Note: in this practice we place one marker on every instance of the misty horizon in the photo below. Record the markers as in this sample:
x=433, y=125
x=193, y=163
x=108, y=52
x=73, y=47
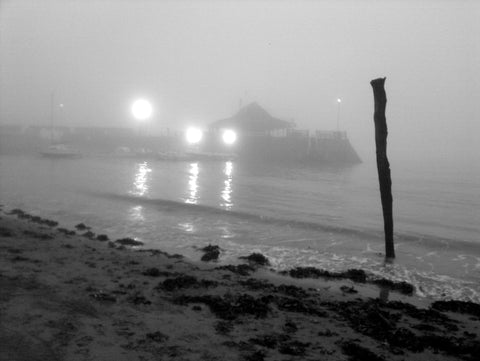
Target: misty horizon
x=197, y=61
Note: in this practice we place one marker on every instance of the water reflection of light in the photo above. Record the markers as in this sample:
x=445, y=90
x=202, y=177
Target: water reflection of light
x=227, y=188
x=140, y=184
x=193, y=184
x=137, y=213
x=187, y=227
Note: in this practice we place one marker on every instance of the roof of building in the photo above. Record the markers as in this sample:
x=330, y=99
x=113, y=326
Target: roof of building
x=252, y=118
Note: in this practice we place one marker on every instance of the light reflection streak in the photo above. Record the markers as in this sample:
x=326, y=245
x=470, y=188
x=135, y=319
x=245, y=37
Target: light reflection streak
x=187, y=227
x=227, y=189
x=140, y=188
x=137, y=213
x=140, y=184
x=193, y=184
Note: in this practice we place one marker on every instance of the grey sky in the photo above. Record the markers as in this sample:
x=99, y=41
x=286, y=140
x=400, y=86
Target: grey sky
x=195, y=59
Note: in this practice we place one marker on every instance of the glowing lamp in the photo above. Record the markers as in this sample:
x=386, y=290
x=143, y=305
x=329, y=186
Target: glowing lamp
x=229, y=137
x=193, y=135
x=142, y=109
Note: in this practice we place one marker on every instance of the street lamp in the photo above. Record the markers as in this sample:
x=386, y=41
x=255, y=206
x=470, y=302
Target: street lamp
x=142, y=109
x=229, y=137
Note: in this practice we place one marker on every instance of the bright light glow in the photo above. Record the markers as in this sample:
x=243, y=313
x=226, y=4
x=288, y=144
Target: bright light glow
x=229, y=137
x=142, y=109
x=194, y=135
x=339, y=100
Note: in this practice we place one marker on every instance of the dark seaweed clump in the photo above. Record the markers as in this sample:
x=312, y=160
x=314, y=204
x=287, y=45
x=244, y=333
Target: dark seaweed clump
x=359, y=353
x=403, y=287
x=458, y=306
x=35, y=219
x=211, y=253
x=128, y=242
x=380, y=321
x=185, y=281
x=241, y=269
x=356, y=275
x=82, y=227
x=231, y=307
x=102, y=237
x=257, y=259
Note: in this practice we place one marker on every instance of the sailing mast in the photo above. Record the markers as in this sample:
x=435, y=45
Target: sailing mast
x=52, y=115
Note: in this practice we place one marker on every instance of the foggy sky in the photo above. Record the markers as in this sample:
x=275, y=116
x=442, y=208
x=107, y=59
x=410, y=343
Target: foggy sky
x=196, y=59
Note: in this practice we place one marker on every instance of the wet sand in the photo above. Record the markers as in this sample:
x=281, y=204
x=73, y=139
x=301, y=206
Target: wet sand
x=76, y=295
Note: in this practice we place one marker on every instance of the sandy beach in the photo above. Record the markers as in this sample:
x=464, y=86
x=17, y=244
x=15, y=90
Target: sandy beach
x=78, y=295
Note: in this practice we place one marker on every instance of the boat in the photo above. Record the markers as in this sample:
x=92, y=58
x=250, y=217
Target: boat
x=60, y=151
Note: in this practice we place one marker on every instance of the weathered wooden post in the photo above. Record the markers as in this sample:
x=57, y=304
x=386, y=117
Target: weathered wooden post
x=383, y=166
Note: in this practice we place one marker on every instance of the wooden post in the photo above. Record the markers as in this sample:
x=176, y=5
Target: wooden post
x=383, y=166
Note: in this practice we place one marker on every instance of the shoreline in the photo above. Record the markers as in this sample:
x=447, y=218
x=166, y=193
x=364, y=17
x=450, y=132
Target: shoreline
x=66, y=296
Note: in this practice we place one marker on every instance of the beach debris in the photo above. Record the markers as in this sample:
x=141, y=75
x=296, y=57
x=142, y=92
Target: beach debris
x=88, y=234
x=327, y=333
x=211, y=253
x=290, y=304
x=258, y=355
x=359, y=353
x=290, y=326
x=102, y=296
x=38, y=235
x=401, y=286
x=230, y=307
x=293, y=291
x=185, y=281
x=128, y=242
x=6, y=232
x=348, y=289
x=21, y=214
x=356, y=275
x=20, y=259
x=155, y=272
x=256, y=259
x=293, y=347
x=255, y=284
x=241, y=269
x=224, y=327
x=152, y=272
x=270, y=341
x=102, y=238
x=157, y=336
x=82, y=227
x=67, y=232
x=457, y=306
x=156, y=252
x=139, y=299
x=16, y=211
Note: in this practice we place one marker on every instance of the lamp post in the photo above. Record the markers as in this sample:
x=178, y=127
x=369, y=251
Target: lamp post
x=339, y=101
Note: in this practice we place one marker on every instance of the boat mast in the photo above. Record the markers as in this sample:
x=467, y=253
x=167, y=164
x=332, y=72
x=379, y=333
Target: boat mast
x=52, y=115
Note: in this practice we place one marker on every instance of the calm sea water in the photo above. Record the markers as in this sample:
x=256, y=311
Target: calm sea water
x=329, y=218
